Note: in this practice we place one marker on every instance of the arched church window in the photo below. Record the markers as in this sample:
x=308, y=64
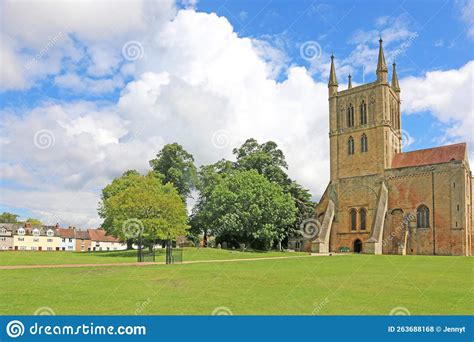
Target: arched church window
x=363, y=143
x=350, y=145
x=362, y=215
x=422, y=217
x=350, y=116
x=353, y=214
x=363, y=113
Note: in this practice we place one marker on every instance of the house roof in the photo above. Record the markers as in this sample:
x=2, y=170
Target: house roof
x=101, y=235
x=66, y=233
x=436, y=155
x=82, y=234
x=10, y=226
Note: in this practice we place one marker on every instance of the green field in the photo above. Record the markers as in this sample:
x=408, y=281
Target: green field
x=347, y=284
x=190, y=254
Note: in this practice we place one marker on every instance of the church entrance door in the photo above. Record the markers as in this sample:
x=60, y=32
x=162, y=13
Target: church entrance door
x=357, y=246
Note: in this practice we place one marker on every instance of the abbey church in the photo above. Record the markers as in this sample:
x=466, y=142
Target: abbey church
x=381, y=200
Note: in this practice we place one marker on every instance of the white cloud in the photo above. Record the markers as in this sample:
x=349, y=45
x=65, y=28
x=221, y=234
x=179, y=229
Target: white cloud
x=448, y=96
x=467, y=15
x=397, y=36
x=89, y=31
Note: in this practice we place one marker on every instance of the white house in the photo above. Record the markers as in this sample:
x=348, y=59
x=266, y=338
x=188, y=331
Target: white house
x=100, y=241
x=68, y=239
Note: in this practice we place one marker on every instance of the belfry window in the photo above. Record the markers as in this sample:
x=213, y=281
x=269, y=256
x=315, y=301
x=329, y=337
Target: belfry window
x=350, y=116
x=422, y=217
x=363, y=143
x=350, y=145
x=362, y=215
x=363, y=113
x=353, y=214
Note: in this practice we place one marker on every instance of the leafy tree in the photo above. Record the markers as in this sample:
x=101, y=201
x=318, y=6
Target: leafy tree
x=209, y=177
x=268, y=160
x=246, y=207
x=265, y=158
x=135, y=206
x=34, y=222
x=8, y=218
x=177, y=167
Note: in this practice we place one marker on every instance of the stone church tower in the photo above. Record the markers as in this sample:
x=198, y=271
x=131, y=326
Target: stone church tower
x=379, y=199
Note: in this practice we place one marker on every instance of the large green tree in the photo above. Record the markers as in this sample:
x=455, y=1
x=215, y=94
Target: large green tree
x=209, y=177
x=8, y=218
x=141, y=207
x=177, y=167
x=268, y=160
x=246, y=207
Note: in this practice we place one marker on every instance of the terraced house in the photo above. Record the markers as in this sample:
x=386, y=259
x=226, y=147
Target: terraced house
x=101, y=241
x=68, y=238
x=83, y=241
x=6, y=236
x=380, y=199
x=36, y=238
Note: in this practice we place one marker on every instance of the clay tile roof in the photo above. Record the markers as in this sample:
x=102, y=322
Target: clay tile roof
x=436, y=155
x=101, y=235
x=82, y=234
x=66, y=233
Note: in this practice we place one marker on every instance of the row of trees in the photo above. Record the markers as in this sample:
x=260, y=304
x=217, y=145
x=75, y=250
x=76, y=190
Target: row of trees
x=7, y=217
x=251, y=201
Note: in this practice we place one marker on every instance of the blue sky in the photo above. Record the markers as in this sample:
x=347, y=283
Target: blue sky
x=78, y=110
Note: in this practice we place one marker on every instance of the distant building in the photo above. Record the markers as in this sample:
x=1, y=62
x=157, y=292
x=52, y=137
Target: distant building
x=83, y=241
x=36, y=238
x=100, y=241
x=6, y=235
x=68, y=238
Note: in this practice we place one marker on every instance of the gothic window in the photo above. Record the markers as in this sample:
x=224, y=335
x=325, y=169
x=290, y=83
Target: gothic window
x=350, y=145
x=363, y=143
x=362, y=215
x=422, y=217
x=350, y=116
x=363, y=113
x=353, y=214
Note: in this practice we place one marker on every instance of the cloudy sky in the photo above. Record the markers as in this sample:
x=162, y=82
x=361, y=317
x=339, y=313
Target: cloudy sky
x=89, y=89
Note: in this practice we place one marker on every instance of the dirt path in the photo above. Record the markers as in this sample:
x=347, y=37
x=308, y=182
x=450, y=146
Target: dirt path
x=16, y=267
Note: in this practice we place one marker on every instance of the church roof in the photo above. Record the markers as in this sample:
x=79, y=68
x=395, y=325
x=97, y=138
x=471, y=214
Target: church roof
x=436, y=155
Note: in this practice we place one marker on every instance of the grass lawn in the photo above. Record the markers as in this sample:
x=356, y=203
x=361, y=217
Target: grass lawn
x=59, y=257
x=349, y=284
